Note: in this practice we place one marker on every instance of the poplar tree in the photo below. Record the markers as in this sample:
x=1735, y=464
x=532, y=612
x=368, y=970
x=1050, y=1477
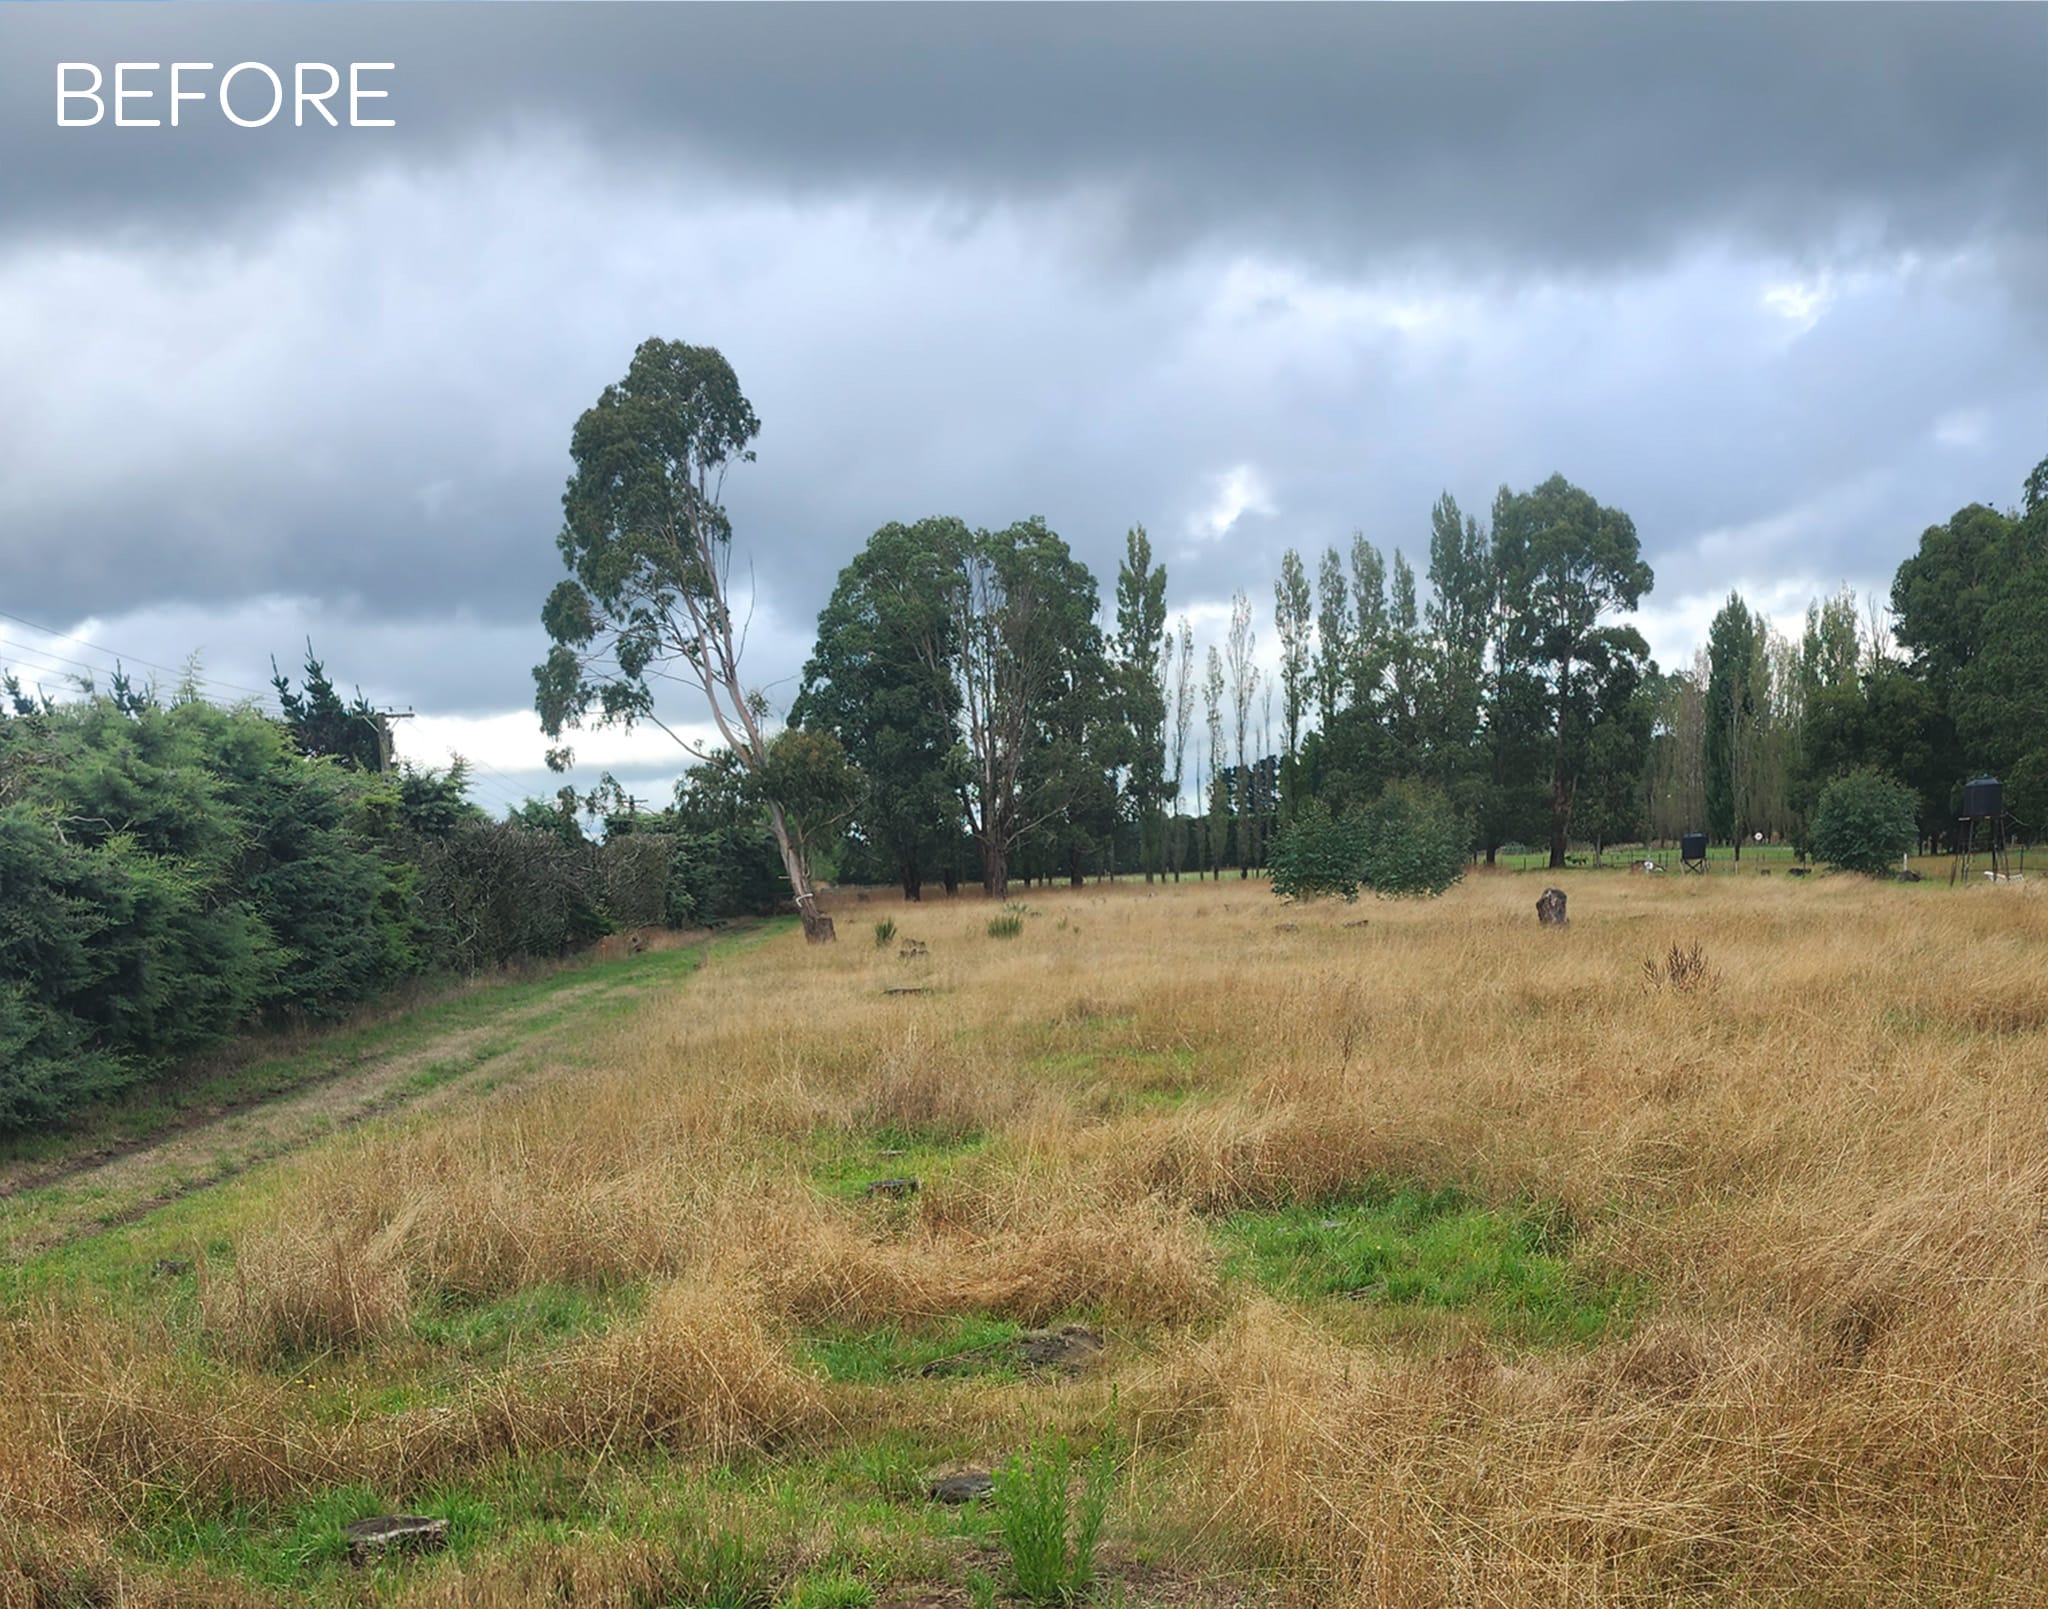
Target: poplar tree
x=1136, y=667
x=1333, y=637
x=1293, y=619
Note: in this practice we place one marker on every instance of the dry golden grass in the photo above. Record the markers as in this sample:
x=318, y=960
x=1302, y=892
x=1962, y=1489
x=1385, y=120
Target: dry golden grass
x=295, y=1290
x=1826, y=1164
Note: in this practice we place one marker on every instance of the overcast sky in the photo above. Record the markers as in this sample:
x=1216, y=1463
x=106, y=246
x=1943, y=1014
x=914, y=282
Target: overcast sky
x=1773, y=280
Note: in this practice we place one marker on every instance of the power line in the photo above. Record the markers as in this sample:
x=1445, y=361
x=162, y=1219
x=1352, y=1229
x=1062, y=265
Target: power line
x=224, y=693
x=510, y=783
x=54, y=664
x=101, y=648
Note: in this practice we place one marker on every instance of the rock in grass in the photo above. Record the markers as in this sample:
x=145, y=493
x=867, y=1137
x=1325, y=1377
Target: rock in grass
x=1069, y=1349
x=962, y=1487
x=387, y=1534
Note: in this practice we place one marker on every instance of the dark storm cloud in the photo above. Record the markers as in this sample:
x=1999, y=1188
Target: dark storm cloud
x=1770, y=278
x=1514, y=137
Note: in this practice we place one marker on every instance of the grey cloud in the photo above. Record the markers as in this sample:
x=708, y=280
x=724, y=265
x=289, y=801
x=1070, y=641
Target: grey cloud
x=1510, y=136
x=980, y=260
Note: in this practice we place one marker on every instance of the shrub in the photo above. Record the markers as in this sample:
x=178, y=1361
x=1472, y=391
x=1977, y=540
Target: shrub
x=1863, y=822
x=635, y=868
x=1317, y=853
x=1412, y=842
x=1034, y=1507
x=1408, y=841
x=499, y=891
x=885, y=930
x=1006, y=926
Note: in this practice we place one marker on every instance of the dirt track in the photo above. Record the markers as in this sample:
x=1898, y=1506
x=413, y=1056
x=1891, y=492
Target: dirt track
x=47, y=1204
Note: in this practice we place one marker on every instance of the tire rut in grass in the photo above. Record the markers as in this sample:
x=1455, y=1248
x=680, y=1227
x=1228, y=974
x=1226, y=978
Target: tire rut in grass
x=120, y=1185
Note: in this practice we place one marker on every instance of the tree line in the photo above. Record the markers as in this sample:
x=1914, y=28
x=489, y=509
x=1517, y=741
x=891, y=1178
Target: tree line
x=1943, y=680
x=971, y=710
x=172, y=871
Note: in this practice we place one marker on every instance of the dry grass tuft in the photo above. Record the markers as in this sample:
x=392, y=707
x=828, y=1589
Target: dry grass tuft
x=48, y=1547
x=588, y=1572
x=295, y=1291
x=703, y=1371
x=1136, y=1262
x=1687, y=1457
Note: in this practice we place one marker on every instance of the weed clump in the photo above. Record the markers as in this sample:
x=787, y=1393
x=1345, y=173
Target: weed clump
x=1048, y=1531
x=1683, y=970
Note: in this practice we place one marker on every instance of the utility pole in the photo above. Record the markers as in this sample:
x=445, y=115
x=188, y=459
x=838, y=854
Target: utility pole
x=382, y=725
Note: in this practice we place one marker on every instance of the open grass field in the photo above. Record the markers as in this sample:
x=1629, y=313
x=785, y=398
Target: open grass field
x=1694, y=1254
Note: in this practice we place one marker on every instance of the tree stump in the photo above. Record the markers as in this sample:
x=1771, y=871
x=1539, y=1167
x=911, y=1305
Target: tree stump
x=1550, y=908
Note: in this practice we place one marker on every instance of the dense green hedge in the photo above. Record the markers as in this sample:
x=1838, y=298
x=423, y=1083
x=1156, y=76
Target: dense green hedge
x=171, y=874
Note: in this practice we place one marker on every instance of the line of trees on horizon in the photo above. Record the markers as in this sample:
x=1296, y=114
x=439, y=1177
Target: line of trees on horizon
x=971, y=709
x=970, y=712
x=1003, y=729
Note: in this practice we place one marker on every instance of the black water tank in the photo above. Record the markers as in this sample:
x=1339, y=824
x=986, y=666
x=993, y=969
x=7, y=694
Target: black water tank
x=1983, y=799
x=1692, y=846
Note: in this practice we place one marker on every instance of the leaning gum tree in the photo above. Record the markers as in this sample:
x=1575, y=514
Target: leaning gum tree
x=648, y=547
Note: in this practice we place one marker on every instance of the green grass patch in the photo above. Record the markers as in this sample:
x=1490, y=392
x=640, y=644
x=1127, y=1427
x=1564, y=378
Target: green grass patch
x=540, y=1315
x=844, y=1165
x=299, y=1550
x=1417, y=1247
x=828, y=1589
x=283, y=1546
x=874, y=1357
